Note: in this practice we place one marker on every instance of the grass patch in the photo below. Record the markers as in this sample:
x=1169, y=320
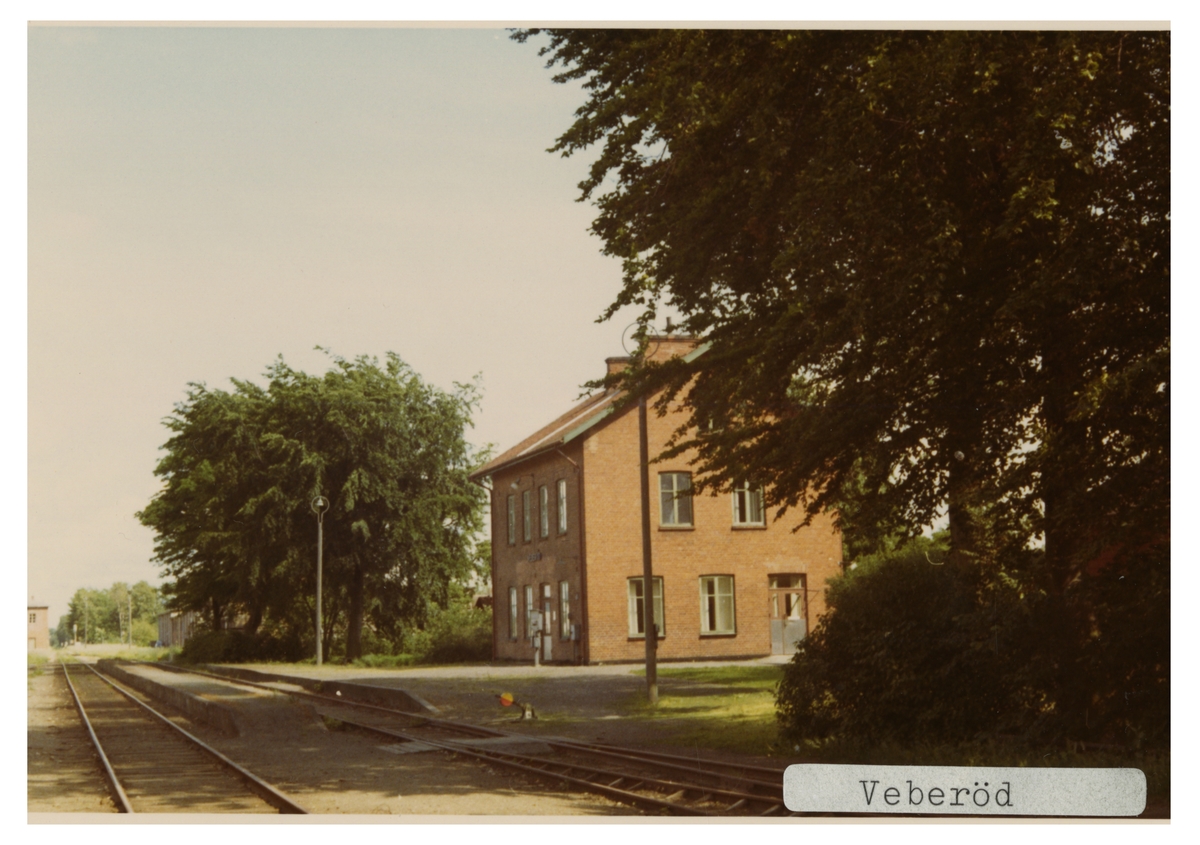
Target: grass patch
x=730, y=708
x=385, y=661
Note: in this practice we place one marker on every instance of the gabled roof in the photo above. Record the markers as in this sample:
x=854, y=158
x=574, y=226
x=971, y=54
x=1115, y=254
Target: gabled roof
x=571, y=425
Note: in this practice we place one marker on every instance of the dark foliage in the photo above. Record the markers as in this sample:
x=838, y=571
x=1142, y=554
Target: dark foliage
x=238, y=647
x=932, y=273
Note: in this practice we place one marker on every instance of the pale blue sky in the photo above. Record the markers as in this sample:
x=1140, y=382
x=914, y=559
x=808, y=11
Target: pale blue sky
x=203, y=199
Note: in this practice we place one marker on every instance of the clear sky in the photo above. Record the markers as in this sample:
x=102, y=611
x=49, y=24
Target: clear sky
x=203, y=199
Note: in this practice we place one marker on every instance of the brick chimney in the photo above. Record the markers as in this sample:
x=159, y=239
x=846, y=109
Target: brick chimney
x=617, y=365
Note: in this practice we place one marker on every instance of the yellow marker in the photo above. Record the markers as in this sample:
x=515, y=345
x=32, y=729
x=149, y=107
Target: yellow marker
x=507, y=699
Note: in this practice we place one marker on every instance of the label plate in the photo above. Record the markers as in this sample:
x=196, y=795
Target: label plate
x=964, y=790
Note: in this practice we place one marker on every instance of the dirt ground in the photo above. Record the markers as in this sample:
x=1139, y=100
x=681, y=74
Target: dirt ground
x=290, y=747
x=589, y=703
x=64, y=774
x=347, y=772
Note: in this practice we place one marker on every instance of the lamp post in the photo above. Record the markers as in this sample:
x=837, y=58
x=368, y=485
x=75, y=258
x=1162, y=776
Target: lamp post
x=319, y=505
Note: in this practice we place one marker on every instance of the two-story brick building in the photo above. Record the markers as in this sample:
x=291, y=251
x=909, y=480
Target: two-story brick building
x=567, y=544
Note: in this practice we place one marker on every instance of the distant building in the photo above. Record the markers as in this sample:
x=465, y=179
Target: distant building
x=39, y=626
x=729, y=581
x=174, y=628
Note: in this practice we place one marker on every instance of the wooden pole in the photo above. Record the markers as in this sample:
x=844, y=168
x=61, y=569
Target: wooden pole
x=647, y=568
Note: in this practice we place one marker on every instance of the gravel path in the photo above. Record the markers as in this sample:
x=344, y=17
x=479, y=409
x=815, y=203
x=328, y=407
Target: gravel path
x=64, y=773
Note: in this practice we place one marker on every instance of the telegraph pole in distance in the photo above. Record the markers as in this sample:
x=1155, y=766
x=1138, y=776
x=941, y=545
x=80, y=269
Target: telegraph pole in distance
x=647, y=568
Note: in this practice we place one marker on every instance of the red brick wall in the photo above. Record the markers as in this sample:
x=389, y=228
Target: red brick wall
x=560, y=554
x=680, y=557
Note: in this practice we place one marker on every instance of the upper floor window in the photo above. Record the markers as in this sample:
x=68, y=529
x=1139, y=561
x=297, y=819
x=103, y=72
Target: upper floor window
x=33, y=617
x=637, y=607
x=716, y=605
x=675, y=498
x=544, y=510
x=748, y=505
x=527, y=515
x=562, y=506
x=512, y=520
x=514, y=614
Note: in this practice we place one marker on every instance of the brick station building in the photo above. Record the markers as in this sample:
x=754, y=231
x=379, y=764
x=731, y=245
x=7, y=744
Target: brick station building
x=730, y=582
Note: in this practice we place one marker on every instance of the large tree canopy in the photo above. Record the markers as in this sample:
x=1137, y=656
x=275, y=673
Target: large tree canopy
x=236, y=533
x=933, y=270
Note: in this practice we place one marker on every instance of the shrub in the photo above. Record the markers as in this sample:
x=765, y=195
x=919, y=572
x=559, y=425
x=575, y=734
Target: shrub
x=909, y=651
x=236, y=647
x=460, y=633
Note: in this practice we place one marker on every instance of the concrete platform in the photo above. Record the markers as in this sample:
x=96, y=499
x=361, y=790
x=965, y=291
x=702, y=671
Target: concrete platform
x=384, y=696
x=234, y=710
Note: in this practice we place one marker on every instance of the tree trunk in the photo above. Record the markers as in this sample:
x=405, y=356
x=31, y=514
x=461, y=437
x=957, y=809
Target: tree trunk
x=255, y=619
x=963, y=490
x=1058, y=530
x=354, y=623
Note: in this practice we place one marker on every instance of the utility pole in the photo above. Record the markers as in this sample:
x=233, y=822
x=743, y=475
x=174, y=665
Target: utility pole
x=87, y=617
x=131, y=618
x=647, y=568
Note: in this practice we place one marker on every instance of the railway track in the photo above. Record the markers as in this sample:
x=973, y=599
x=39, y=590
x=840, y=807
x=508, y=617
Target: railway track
x=653, y=781
x=154, y=766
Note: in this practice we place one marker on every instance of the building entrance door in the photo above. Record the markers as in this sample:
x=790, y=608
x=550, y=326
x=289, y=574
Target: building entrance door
x=789, y=614
x=547, y=622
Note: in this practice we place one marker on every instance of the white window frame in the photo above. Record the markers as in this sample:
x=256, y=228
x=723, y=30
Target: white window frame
x=633, y=591
x=514, y=614
x=544, y=511
x=717, y=601
x=527, y=513
x=744, y=496
x=671, y=487
x=528, y=611
x=562, y=506
x=564, y=610
x=512, y=520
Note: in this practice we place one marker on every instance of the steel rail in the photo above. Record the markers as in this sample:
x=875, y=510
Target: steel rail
x=617, y=752
x=123, y=803
x=512, y=760
x=541, y=767
x=260, y=787
x=743, y=797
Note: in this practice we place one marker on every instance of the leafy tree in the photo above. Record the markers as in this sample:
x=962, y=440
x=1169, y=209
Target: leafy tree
x=933, y=272
x=236, y=534
x=102, y=616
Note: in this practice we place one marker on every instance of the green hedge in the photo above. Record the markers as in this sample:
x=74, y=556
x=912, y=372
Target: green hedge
x=237, y=647
x=908, y=652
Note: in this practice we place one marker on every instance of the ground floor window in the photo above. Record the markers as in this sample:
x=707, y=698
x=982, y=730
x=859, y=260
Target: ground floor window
x=564, y=610
x=637, y=608
x=716, y=605
x=514, y=615
x=529, y=612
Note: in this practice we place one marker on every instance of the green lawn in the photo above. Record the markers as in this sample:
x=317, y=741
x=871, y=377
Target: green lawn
x=730, y=708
